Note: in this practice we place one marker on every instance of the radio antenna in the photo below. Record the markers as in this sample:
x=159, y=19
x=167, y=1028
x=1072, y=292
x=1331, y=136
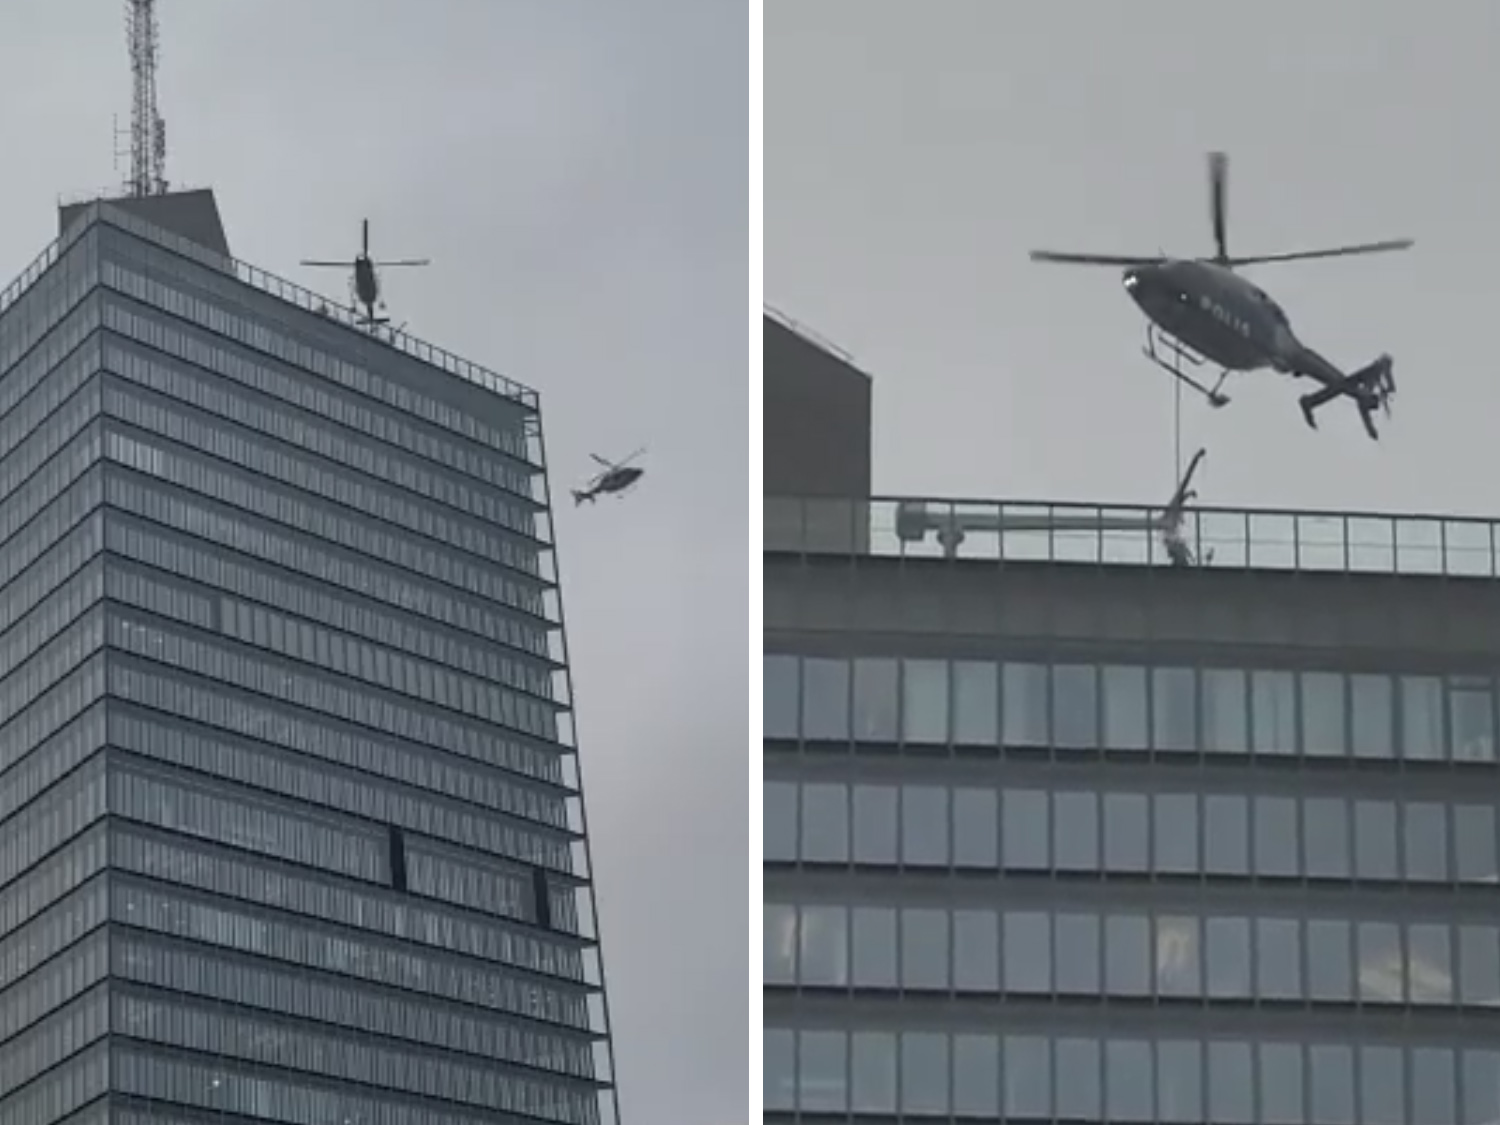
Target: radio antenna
x=148, y=132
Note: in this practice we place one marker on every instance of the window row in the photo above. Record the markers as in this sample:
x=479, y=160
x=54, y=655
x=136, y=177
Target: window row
x=254, y=823
x=377, y=459
x=47, y=762
x=314, y=394
x=205, y=477
x=32, y=475
x=63, y=811
x=66, y=504
x=306, y=944
x=1133, y=953
x=51, y=616
x=64, y=402
x=48, y=320
x=60, y=562
x=217, y=316
x=363, y=907
x=292, y=991
x=340, y=566
x=1130, y=707
x=56, y=1094
x=50, y=664
x=68, y=697
x=54, y=984
x=293, y=775
x=273, y=461
x=53, y=1039
x=1081, y=830
x=63, y=922
x=349, y=612
x=434, y=771
x=240, y=1034
x=1226, y=1080
x=313, y=690
x=76, y=862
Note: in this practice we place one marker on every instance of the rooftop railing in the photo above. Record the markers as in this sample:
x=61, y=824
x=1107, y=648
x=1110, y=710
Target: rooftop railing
x=1212, y=538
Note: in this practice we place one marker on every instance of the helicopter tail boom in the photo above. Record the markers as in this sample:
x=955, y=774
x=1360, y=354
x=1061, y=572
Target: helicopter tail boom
x=1371, y=387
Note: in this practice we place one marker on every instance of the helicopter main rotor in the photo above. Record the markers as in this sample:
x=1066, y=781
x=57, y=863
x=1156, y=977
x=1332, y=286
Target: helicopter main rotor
x=1218, y=175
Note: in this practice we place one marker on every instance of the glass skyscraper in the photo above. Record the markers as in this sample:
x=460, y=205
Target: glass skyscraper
x=291, y=825
x=1056, y=831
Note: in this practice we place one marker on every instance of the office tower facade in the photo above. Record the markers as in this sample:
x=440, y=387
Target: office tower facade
x=290, y=819
x=1055, y=830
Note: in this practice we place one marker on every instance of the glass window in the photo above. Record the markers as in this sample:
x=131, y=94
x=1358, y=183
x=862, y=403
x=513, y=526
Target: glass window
x=1127, y=832
x=779, y=962
x=1375, y=840
x=1028, y=1076
x=1380, y=963
x=1225, y=711
x=1025, y=705
x=976, y=951
x=1278, y=959
x=875, y=820
x=825, y=699
x=1434, y=1085
x=1273, y=704
x=1076, y=965
x=1079, y=1067
x=1125, y=708
x=1331, y=1070
x=924, y=1072
x=924, y=949
x=1323, y=728
x=822, y=1067
x=1382, y=1086
x=1372, y=710
x=1075, y=707
x=1231, y=1082
x=874, y=947
x=1128, y=1081
x=825, y=824
x=1281, y=1082
x=976, y=703
x=1028, y=952
x=924, y=826
x=1474, y=843
x=1426, y=841
x=1179, y=956
x=1481, y=1086
x=1325, y=838
x=779, y=696
x=1127, y=955
x=1175, y=826
x=1429, y=965
x=872, y=1066
x=824, y=947
x=1226, y=828
x=1471, y=718
x=779, y=842
x=779, y=1069
x=1422, y=717
x=1174, y=710
x=1179, y=1081
x=876, y=700
x=1479, y=966
x=1075, y=831
x=976, y=828
x=1023, y=828
x=1328, y=960
x=976, y=1076
x=1276, y=836
x=925, y=701
x=1228, y=941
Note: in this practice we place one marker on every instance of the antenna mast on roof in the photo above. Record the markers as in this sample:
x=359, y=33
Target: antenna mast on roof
x=148, y=132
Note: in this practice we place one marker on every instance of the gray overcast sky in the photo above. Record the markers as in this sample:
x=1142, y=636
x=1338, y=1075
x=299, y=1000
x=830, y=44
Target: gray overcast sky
x=577, y=173
x=914, y=154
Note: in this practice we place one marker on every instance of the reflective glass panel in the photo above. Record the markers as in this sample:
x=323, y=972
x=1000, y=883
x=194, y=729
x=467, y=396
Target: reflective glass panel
x=1422, y=717
x=1125, y=707
x=779, y=696
x=1225, y=711
x=976, y=703
x=925, y=701
x=876, y=700
x=875, y=823
x=1174, y=710
x=872, y=1067
x=1372, y=710
x=1024, y=707
x=825, y=699
x=1274, y=712
x=1075, y=706
x=1323, y=727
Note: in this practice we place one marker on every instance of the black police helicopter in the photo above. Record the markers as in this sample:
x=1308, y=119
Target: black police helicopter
x=1200, y=310
x=366, y=281
x=617, y=477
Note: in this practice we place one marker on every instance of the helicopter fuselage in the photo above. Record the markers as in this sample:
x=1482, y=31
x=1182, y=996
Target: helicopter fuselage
x=366, y=286
x=1215, y=312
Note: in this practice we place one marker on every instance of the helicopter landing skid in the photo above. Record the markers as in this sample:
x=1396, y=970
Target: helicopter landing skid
x=1179, y=353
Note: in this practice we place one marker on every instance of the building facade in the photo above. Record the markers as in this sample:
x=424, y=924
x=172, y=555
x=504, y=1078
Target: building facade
x=291, y=825
x=1055, y=831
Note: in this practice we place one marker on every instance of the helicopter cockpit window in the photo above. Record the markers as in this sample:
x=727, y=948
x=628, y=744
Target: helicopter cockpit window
x=1275, y=309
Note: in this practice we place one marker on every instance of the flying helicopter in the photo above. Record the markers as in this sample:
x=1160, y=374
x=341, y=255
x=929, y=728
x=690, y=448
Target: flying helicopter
x=366, y=281
x=1199, y=310
x=617, y=477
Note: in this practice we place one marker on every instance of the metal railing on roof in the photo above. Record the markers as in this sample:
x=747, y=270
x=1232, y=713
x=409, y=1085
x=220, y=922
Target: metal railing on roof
x=1215, y=538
